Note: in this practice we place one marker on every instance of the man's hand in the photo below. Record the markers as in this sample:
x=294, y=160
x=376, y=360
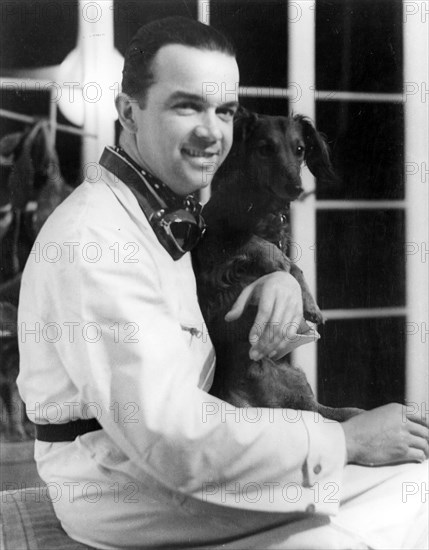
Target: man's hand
x=279, y=300
x=386, y=435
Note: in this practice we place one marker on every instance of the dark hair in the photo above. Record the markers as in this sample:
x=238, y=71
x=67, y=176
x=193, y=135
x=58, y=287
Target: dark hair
x=137, y=75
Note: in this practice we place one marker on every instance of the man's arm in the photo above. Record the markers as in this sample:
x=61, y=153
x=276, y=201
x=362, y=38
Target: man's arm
x=386, y=435
x=146, y=391
x=279, y=300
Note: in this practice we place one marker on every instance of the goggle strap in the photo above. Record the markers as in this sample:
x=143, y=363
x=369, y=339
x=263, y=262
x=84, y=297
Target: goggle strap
x=114, y=162
x=127, y=173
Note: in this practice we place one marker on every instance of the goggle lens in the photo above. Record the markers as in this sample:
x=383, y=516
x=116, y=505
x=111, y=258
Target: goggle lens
x=183, y=229
x=186, y=234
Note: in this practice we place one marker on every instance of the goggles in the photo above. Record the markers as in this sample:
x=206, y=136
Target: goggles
x=177, y=229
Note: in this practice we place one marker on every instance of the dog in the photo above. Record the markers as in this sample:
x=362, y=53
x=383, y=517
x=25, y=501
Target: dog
x=247, y=236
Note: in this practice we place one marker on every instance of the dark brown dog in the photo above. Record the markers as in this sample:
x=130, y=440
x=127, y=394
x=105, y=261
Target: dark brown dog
x=247, y=236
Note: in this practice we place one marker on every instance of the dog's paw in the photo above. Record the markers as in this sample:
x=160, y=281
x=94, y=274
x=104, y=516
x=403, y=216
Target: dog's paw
x=314, y=315
x=311, y=309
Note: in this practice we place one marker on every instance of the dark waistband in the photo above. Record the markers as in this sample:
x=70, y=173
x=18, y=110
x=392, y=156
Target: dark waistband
x=54, y=433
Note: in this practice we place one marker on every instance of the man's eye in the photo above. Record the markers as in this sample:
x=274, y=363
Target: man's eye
x=187, y=107
x=226, y=113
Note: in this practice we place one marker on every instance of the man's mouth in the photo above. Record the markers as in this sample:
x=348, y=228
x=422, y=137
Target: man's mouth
x=198, y=153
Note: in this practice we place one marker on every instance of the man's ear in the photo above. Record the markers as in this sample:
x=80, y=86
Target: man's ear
x=124, y=105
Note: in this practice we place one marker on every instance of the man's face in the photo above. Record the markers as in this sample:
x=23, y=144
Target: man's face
x=184, y=131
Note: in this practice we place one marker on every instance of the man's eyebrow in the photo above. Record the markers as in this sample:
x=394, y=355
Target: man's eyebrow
x=230, y=104
x=185, y=95
x=198, y=98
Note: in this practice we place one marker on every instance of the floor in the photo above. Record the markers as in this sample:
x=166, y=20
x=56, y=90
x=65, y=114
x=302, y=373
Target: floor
x=17, y=466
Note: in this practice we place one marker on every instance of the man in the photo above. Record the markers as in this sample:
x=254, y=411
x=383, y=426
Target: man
x=117, y=335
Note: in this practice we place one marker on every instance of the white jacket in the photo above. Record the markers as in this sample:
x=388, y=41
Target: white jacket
x=109, y=326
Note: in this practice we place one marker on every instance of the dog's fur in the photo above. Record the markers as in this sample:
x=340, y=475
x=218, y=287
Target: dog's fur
x=247, y=236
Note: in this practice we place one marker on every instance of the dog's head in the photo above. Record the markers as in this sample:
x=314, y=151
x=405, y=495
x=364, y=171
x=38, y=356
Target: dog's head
x=269, y=151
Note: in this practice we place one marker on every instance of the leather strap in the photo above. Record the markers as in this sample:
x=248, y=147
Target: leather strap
x=154, y=206
x=54, y=433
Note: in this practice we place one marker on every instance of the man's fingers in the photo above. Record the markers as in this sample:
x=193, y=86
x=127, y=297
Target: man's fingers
x=279, y=311
x=240, y=304
x=264, y=315
x=290, y=329
x=271, y=327
x=418, y=429
x=416, y=455
x=419, y=443
x=416, y=417
x=275, y=339
x=264, y=333
x=287, y=335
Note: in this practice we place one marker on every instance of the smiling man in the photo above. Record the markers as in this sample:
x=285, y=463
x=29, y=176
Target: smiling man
x=182, y=134
x=116, y=362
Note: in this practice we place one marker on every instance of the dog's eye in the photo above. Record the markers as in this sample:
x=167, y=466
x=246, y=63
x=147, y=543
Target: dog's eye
x=266, y=148
x=300, y=150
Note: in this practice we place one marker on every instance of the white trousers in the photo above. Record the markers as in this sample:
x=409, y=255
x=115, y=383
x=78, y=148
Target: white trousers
x=115, y=506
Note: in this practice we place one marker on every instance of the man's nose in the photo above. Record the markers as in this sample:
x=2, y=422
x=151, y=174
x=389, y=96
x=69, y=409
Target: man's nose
x=208, y=128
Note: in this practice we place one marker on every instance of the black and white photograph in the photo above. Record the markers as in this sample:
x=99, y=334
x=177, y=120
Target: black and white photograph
x=214, y=309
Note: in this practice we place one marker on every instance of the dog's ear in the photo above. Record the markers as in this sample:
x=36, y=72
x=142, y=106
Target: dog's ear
x=317, y=155
x=244, y=124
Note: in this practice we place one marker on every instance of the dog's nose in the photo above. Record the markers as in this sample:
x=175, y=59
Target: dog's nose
x=293, y=190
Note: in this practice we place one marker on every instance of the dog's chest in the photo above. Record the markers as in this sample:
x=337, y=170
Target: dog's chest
x=274, y=228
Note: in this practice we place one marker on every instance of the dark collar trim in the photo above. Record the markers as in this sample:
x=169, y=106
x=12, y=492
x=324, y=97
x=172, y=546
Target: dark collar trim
x=159, y=188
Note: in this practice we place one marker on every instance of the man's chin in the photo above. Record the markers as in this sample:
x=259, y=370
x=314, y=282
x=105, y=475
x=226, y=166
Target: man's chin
x=190, y=181
x=197, y=186
x=188, y=186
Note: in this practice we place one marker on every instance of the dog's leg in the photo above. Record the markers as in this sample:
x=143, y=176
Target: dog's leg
x=265, y=256
x=311, y=309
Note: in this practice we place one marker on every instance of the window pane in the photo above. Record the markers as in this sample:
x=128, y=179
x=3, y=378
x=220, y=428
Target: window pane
x=367, y=146
x=24, y=101
x=130, y=16
x=37, y=104
x=360, y=258
x=359, y=45
x=37, y=34
x=259, y=32
x=266, y=106
x=361, y=362
x=69, y=148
